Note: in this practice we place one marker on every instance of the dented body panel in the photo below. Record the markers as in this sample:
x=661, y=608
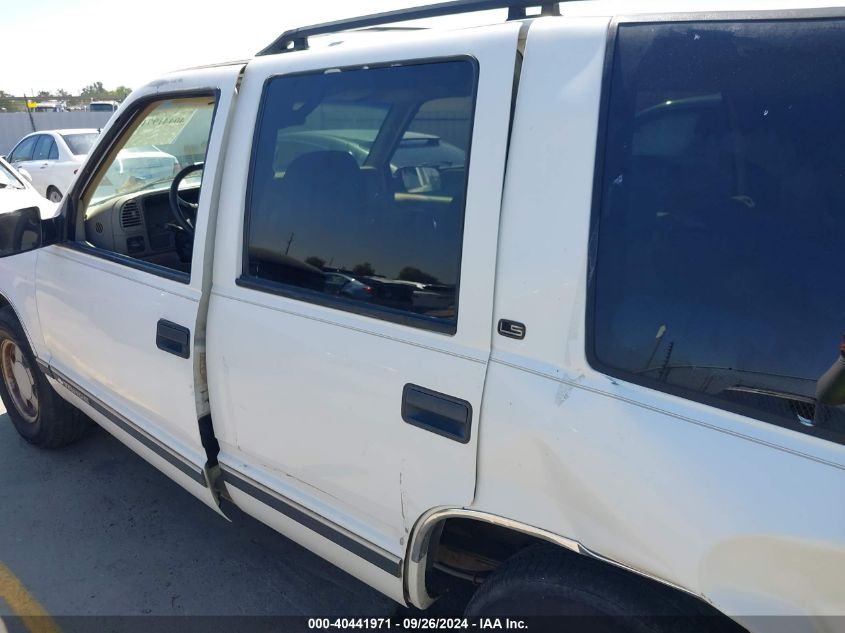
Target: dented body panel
x=731, y=509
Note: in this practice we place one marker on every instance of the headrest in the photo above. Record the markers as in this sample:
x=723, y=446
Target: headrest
x=325, y=168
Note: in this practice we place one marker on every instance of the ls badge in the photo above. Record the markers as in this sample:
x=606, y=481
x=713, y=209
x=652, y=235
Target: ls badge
x=512, y=329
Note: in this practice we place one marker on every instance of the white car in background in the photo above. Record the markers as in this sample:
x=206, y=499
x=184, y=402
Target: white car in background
x=52, y=158
x=17, y=193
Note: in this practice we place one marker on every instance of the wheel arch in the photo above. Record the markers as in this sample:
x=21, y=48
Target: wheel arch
x=425, y=541
x=5, y=302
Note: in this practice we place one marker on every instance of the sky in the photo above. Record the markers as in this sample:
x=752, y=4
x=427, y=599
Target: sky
x=69, y=44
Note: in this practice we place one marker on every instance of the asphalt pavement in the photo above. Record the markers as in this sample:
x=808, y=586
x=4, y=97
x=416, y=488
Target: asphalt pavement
x=93, y=530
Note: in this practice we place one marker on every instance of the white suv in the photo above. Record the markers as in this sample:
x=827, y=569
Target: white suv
x=567, y=353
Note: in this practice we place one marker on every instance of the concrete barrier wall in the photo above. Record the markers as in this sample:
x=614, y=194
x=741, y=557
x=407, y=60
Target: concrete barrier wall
x=15, y=125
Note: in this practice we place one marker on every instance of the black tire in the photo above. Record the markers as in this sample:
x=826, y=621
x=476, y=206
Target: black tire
x=595, y=597
x=53, y=192
x=53, y=422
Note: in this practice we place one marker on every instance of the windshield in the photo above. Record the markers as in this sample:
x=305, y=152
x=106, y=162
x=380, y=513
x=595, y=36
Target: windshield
x=80, y=144
x=8, y=179
x=101, y=107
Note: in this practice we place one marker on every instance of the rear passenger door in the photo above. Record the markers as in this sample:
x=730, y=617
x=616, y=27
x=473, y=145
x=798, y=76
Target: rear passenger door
x=44, y=157
x=350, y=318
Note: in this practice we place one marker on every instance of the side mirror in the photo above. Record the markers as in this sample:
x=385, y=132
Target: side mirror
x=422, y=179
x=20, y=231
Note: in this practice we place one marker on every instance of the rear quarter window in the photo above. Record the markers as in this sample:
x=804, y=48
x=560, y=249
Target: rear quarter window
x=721, y=216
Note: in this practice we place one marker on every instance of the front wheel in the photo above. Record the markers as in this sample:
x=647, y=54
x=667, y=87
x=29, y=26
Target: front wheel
x=39, y=414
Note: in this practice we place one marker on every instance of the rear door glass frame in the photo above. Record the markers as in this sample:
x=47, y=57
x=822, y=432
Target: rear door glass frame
x=383, y=313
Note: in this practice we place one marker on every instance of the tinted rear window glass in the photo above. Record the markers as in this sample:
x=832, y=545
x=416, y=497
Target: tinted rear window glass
x=719, y=250
x=358, y=186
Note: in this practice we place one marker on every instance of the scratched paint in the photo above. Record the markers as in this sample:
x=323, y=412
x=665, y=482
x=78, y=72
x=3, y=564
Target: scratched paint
x=565, y=389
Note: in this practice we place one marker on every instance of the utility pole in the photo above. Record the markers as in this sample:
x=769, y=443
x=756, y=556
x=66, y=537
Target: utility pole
x=29, y=112
x=289, y=241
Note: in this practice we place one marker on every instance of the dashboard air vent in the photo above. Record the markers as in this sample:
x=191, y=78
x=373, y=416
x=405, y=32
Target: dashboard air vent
x=130, y=215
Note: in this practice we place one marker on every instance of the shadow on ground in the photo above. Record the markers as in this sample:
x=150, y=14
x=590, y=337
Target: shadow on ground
x=92, y=529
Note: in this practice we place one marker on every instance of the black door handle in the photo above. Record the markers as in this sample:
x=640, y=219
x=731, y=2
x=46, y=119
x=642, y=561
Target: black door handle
x=173, y=338
x=436, y=412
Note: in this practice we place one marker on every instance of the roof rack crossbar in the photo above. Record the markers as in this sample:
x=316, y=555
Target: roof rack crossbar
x=297, y=39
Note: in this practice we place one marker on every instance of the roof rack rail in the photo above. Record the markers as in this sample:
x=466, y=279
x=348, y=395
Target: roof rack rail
x=297, y=39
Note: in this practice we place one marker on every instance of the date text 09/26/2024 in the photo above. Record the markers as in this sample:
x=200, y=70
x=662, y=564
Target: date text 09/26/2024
x=408, y=624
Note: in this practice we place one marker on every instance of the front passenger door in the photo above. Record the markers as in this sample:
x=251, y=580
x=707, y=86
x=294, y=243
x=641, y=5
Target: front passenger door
x=119, y=301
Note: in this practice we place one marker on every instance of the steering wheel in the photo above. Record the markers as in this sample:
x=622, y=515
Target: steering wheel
x=178, y=206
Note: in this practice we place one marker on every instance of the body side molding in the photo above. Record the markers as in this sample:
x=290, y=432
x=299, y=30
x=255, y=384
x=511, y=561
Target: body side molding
x=312, y=521
x=159, y=448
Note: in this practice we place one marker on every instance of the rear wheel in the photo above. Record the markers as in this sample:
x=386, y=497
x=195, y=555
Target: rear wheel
x=595, y=597
x=53, y=194
x=39, y=414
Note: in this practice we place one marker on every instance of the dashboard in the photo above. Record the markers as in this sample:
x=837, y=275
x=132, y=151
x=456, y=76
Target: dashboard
x=136, y=225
